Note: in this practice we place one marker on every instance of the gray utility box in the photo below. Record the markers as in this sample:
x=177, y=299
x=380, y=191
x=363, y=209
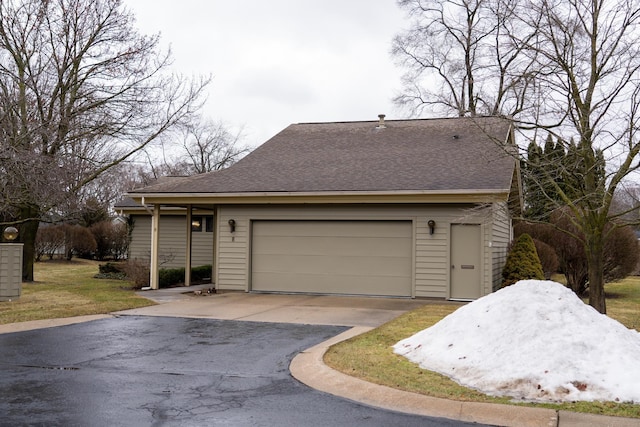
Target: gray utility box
x=10, y=271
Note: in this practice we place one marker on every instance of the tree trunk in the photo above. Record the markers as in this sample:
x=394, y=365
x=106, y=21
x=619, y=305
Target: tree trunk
x=595, y=257
x=28, y=231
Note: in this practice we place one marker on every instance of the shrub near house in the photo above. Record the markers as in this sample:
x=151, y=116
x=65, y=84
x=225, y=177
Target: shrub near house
x=138, y=272
x=103, y=240
x=621, y=249
x=522, y=262
x=175, y=276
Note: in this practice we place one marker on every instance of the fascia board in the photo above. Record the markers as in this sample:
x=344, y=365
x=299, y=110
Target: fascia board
x=443, y=196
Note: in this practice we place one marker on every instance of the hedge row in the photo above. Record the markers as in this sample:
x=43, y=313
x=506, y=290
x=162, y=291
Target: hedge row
x=172, y=276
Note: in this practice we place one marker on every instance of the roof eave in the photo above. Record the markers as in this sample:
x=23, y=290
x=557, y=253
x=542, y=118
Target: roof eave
x=325, y=197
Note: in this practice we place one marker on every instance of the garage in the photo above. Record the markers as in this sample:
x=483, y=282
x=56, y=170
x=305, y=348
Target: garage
x=332, y=257
x=354, y=208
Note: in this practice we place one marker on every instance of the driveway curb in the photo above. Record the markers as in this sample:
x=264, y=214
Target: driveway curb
x=50, y=323
x=308, y=367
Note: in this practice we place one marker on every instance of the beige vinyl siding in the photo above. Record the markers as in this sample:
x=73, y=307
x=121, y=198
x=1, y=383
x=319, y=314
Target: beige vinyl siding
x=232, y=262
x=487, y=255
x=431, y=267
x=173, y=238
x=432, y=253
x=500, y=239
x=140, y=243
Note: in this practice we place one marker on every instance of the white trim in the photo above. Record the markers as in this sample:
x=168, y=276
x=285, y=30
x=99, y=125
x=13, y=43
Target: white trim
x=154, y=275
x=259, y=194
x=406, y=197
x=187, y=255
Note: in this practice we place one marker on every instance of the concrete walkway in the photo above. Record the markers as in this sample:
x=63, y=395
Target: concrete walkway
x=363, y=314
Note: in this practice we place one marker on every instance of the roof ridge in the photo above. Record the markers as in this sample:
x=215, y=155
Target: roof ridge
x=402, y=120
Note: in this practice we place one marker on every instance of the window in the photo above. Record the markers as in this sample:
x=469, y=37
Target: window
x=202, y=223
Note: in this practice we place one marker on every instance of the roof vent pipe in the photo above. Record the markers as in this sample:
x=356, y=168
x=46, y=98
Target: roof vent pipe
x=381, y=124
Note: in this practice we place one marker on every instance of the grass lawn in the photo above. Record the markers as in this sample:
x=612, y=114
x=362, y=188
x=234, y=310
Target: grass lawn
x=67, y=289
x=370, y=356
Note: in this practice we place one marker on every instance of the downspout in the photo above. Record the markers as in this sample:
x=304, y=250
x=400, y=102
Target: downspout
x=149, y=211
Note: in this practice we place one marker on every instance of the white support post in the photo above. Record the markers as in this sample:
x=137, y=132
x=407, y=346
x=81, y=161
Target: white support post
x=187, y=258
x=214, y=264
x=154, y=279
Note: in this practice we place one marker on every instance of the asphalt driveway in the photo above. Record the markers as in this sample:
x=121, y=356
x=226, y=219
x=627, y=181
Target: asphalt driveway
x=138, y=370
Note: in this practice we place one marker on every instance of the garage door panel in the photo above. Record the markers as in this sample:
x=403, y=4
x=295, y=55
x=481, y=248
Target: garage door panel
x=347, y=246
x=348, y=257
x=366, y=266
x=334, y=284
x=331, y=228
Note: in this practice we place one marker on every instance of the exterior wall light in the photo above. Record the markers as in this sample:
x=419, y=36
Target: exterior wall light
x=10, y=234
x=232, y=225
x=432, y=226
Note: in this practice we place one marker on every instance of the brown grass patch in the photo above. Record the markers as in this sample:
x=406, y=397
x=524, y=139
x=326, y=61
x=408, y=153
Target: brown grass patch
x=68, y=289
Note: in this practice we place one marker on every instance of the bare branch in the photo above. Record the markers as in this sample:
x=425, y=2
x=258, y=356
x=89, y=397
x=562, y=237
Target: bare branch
x=81, y=91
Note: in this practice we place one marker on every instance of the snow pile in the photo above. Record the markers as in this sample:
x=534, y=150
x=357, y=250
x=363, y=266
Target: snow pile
x=534, y=340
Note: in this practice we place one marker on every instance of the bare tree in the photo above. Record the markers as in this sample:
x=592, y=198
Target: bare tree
x=579, y=61
x=589, y=63
x=136, y=174
x=566, y=242
x=80, y=92
x=460, y=57
x=626, y=203
x=211, y=146
x=50, y=241
x=206, y=146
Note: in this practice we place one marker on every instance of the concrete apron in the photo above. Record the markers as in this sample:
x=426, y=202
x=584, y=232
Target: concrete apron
x=305, y=309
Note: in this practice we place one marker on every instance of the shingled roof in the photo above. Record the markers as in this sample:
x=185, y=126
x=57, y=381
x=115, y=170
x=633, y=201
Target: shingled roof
x=402, y=155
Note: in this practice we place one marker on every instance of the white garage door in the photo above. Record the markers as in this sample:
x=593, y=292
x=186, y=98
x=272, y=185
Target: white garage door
x=332, y=257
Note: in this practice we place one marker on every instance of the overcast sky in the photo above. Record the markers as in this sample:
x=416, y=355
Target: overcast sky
x=277, y=62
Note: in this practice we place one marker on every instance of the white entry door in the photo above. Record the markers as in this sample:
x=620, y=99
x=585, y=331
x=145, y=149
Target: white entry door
x=466, y=283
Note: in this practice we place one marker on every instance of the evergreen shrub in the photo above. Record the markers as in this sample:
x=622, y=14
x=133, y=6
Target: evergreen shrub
x=522, y=262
